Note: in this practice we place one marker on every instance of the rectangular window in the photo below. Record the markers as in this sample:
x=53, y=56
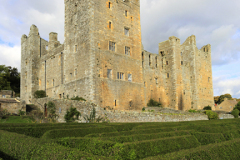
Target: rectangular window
x=60, y=96
x=75, y=72
x=71, y=75
x=112, y=46
x=109, y=5
x=4, y=96
x=53, y=82
x=120, y=75
x=208, y=79
x=115, y=102
x=181, y=62
x=127, y=50
x=109, y=73
x=126, y=13
x=167, y=75
x=130, y=77
x=166, y=62
x=46, y=47
x=110, y=25
x=126, y=31
x=156, y=80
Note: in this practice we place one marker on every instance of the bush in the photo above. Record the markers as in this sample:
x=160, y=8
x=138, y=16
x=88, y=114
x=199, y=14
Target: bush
x=154, y=103
x=40, y=94
x=143, y=109
x=52, y=110
x=237, y=106
x=207, y=108
x=3, y=114
x=193, y=111
x=72, y=115
x=78, y=98
x=235, y=113
x=21, y=113
x=211, y=115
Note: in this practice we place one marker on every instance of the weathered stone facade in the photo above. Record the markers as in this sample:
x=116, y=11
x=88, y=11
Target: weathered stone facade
x=7, y=94
x=12, y=105
x=103, y=61
x=227, y=105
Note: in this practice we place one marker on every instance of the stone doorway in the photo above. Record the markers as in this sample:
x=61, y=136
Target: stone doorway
x=45, y=110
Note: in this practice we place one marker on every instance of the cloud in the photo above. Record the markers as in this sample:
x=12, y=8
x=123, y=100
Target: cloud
x=10, y=56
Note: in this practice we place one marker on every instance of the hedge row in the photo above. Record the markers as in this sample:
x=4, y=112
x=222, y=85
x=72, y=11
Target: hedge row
x=142, y=137
x=38, y=132
x=208, y=138
x=220, y=151
x=17, y=146
x=134, y=150
x=60, y=133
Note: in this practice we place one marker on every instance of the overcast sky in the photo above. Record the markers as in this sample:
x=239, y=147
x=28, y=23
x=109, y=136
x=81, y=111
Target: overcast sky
x=215, y=22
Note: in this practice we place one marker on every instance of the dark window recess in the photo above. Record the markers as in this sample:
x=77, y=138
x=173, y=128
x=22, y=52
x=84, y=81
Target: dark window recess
x=110, y=25
x=112, y=46
x=181, y=62
x=115, y=102
x=167, y=75
x=166, y=62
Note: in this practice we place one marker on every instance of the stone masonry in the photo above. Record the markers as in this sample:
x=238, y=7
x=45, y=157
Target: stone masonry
x=103, y=61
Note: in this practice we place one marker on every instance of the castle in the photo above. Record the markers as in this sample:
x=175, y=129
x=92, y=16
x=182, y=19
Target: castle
x=103, y=60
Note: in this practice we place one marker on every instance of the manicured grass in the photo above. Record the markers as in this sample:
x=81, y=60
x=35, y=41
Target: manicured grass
x=16, y=119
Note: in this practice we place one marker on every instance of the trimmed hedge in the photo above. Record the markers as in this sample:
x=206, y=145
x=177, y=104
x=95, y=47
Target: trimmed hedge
x=14, y=145
x=208, y=138
x=220, y=151
x=142, y=137
x=76, y=132
x=134, y=150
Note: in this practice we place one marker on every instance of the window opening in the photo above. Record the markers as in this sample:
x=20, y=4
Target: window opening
x=166, y=62
x=115, y=102
x=75, y=72
x=150, y=62
x=144, y=84
x=156, y=62
x=181, y=53
x=4, y=96
x=127, y=50
x=109, y=5
x=162, y=53
x=60, y=96
x=46, y=47
x=60, y=110
x=156, y=80
x=126, y=13
x=181, y=62
x=112, y=46
x=126, y=31
x=110, y=25
x=159, y=100
x=120, y=75
x=167, y=75
x=53, y=82
x=208, y=79
x=76, y=48
x=109, y=73
x=130, y=77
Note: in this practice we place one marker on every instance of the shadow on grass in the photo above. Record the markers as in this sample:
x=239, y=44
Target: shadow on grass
x=5, y=156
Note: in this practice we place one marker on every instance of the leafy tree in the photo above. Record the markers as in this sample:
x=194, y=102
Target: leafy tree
x=222, y=97
x=207, y=108
x=9, y=79
x=216, y=98
x=72, y=115
x=237, y=106
x=235, y=113
x=52, y=110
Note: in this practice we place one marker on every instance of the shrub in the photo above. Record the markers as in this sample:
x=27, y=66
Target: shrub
x=237, y=106
x=143, y=109
x=40, y=94
x=193, y=111
x=52, y=110
x=78, y=98
x=207, y=108
x=235, y=113
x=154, y=103
x=3, y=114
x=72, y=115
x=211, y=115
x=21, y=113
x=92, y=117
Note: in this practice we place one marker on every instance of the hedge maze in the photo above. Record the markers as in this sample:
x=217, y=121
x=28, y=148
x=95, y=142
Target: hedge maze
x=214, y=139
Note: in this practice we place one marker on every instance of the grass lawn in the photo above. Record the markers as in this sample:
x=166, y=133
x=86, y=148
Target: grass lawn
x=16, y=119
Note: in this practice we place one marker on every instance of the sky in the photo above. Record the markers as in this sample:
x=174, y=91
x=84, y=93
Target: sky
x=215, y=22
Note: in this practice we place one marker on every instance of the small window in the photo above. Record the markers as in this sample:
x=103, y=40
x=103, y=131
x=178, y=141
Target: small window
x=60, y=110
x=166, y=62
x=208, y=79
x=162, y=53
x=220, y=107
x=126, y=31
x=4, y=96
x=144, y=84
x=120, y=75
x=26, y=62
x=53, y=82
x=110, y=25
x=71, y=75
x=46, y=47
x=127, y=50
x=156, y=62
x=181, y=53
x=75, y=72
x=159, y=100
x=60, y=96
x=167, y=75
x=115, y=102
x=181, y=62
x=130, y=77
x=150, y=62
x=112, y=46
x=109, y=73
x=156, y=80
x=126, y=13
x=76, y=48
x=230, y=106
x=109, y=5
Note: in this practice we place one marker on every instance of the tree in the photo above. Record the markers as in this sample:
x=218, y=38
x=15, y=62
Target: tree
x=222, y=97
x=216, y=98
x=72, y=115
x=237, y=106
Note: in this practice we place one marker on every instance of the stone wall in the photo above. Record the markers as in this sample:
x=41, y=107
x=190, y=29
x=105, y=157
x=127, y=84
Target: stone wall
x=12, y=105
x=85, y=108
x=226, y=105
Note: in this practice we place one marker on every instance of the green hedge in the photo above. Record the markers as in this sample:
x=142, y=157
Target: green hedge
x=142, y=137
x=60, y=133
x=38, y=132
x=134, y=150
x=19, y=146
x=220, y=151
x=208, y=138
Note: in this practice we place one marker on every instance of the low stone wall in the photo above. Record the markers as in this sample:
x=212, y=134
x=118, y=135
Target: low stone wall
x=85, y=108
x=225, y=116
x=12, y=105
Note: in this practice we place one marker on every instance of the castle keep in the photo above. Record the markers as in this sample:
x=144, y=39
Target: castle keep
x=103, y=60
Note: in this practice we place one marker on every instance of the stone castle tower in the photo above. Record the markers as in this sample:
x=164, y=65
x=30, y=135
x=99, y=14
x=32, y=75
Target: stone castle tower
x=102, y=60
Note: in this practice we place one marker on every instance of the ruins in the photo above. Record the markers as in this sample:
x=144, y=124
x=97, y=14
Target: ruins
x=103, y=60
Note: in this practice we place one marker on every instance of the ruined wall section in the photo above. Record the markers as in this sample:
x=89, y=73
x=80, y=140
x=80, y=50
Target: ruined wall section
x=30, y=53
x=110, y=20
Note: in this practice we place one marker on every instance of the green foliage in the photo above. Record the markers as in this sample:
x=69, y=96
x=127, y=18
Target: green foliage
x=154, y=103
x=143, y=109
x=237, y=106
x=194, y=111
x=21, y=113
x=207, y=108
x=9, y=79
x=92, y=117
x=222, y=97
x=40, y=94
x=78, y=98
x=235, y=113
x=211, y=115
x=72, y=115
x=52, y=110
x=3, y=114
